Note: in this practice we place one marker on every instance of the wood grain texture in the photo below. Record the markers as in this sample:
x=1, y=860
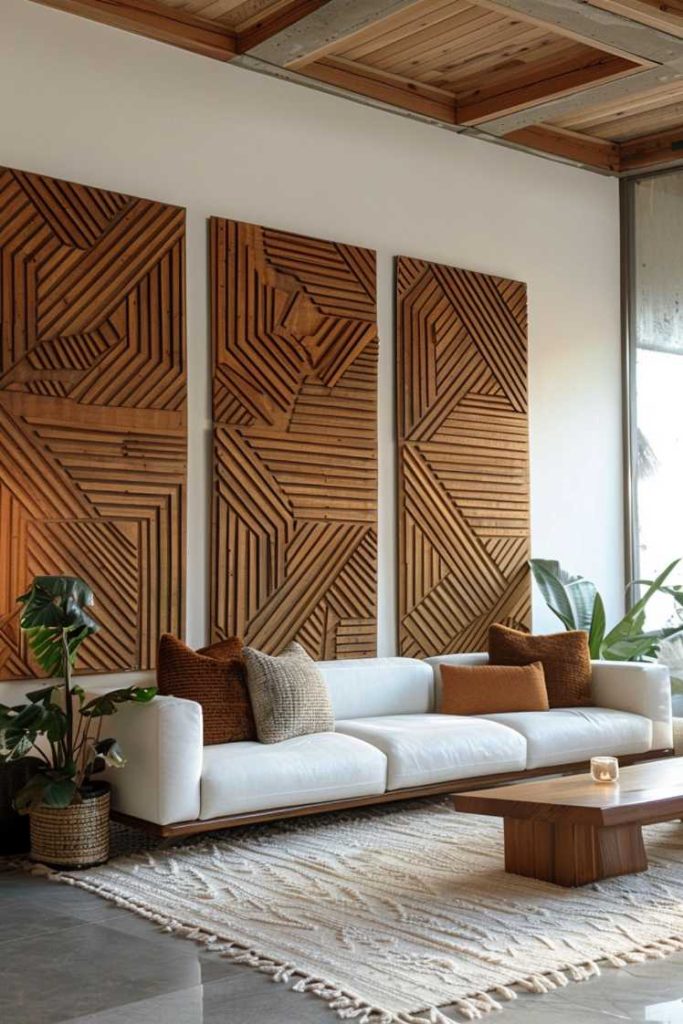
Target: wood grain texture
x=646, y=793
x=92, y=411
x=155, y=20
x=574, y=831
x=571, y=854
x=463, y=456
x=295, y=447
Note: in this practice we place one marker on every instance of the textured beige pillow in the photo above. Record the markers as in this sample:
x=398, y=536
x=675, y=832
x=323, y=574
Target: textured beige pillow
x=289, y=696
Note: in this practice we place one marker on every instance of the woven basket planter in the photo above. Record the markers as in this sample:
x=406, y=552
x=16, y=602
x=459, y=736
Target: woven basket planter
x=75, y=836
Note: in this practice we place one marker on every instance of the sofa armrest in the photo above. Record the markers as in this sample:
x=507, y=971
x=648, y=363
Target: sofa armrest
x=164, y=747
x=642, y=688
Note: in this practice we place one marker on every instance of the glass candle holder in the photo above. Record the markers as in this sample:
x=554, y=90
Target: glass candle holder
x=605, y=769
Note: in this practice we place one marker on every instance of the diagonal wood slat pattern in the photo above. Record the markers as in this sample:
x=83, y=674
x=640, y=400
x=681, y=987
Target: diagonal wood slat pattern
x=463, y=456
x=92, y=411
x=295, y=446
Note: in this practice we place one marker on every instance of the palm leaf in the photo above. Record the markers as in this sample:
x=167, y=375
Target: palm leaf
x=571, y=598
x=598, y=627
x=629, y=635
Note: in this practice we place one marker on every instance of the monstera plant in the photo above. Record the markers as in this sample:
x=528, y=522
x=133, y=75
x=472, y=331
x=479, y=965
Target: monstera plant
x=578, y=605
x=58, y=731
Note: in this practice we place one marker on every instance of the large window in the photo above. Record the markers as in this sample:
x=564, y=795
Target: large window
x=655, y=229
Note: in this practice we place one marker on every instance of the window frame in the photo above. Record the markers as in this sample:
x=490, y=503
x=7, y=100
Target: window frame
x=628, y=248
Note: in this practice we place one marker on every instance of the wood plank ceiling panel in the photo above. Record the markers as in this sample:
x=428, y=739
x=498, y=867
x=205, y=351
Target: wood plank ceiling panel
x=573, y=79
x=295, y=448
x=470, y=52
x=463, y=456
x=92, y=411
x=658, y=109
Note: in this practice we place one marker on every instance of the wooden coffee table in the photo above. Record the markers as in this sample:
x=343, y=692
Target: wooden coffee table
x=572, y=831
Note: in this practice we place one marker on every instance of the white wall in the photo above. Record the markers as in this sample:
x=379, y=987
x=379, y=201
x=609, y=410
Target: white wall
x=99, y=106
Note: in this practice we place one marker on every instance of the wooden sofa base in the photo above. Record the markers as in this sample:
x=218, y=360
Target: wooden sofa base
x=188, y=828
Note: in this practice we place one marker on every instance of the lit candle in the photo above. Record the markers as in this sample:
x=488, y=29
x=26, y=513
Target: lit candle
x=605, y=769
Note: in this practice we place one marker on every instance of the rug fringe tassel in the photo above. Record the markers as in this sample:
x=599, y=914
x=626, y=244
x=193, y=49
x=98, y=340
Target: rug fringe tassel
x=347, y=1005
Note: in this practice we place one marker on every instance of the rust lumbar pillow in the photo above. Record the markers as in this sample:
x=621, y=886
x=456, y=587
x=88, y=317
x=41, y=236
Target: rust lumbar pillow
x=565, y=658
x=487, y=689
x=213, y=677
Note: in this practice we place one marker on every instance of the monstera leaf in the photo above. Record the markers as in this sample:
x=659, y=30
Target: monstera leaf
x=55, y=620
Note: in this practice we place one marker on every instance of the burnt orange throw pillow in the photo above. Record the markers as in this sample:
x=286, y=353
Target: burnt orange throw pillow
x=487, y=689
x=565, y=658
x=213, y=677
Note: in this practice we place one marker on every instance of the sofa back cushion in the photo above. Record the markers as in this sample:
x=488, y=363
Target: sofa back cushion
x=365, y=687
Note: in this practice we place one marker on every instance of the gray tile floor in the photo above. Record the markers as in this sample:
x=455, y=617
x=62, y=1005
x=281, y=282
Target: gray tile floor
x=67, y=955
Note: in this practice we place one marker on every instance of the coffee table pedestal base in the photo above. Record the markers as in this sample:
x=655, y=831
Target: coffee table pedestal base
x=572, y=854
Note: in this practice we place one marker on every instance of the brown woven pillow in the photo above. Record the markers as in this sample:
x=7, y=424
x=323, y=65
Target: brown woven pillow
x=487, y=689
x=565, y=658
x=214, y=677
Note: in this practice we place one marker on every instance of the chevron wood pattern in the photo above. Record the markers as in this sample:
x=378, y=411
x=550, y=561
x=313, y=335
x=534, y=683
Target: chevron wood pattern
x=463, y=457
x=92, y=411
x=295, y=448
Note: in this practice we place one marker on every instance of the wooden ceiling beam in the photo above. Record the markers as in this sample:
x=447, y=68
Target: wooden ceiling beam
x=380, y=95
x=273, y=24
x=593, y=25
x=365, y=82
x=164, y=24
x=651, y=151
x=659, y=16
x=576, y=102
x=319, y=31
x=570, y=145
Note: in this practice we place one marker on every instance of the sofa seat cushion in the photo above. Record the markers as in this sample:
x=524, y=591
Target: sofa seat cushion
x=566, y=735
x=241, y=777
x=425, y=749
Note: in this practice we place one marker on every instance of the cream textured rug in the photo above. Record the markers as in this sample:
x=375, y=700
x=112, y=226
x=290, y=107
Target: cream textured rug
x=388, y=915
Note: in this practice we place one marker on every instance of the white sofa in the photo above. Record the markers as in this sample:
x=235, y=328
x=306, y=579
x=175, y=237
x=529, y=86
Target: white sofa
x=388, y=744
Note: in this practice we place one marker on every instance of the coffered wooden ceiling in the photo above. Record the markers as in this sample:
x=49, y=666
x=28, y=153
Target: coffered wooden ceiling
x=594, y=82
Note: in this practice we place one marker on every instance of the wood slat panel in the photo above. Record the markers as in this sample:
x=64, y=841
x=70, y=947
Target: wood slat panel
x=295, y=448
x=463, y=456
x=92, y=411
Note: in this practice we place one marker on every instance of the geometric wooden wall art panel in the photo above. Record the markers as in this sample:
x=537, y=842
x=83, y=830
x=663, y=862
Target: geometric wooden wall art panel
x=463, y=457
x=295, y=446
x=92, y=411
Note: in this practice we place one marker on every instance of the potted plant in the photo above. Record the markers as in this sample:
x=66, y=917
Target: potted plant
x=58, y=732
x=578, y=605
